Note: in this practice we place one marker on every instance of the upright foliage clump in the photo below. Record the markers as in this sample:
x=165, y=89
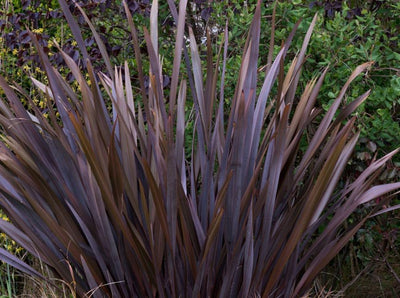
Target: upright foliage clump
x=116, y=204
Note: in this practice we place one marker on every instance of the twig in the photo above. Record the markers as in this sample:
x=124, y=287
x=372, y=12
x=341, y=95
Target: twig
x=392, y=270
x=367, y=268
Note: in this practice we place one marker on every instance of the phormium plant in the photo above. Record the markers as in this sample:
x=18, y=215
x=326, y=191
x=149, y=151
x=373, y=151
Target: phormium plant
x=115, y=205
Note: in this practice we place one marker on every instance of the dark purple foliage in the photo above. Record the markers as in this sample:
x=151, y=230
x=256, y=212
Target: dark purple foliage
x=31, y=15
x=333, y=6
x=137, y=205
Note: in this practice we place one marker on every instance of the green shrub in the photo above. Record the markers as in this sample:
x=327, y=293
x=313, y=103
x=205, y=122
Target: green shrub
x=348, y=34
x=118, y=205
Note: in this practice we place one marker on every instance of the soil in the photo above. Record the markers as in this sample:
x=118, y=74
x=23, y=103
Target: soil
x=380, y=278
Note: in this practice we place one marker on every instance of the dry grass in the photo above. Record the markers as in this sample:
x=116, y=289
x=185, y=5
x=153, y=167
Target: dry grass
x=51, y=288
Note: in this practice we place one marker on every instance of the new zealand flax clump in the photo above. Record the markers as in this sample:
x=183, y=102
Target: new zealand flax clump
x=134, y=202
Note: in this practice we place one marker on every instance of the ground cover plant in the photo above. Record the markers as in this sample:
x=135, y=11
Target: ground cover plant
x=115, y=205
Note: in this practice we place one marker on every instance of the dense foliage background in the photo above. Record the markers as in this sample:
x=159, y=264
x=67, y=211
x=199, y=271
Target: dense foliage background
x=347, y=34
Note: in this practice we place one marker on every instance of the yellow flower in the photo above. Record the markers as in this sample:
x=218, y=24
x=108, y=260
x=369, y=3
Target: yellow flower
x=15, y=52
x=38, y=30
x=4, y=217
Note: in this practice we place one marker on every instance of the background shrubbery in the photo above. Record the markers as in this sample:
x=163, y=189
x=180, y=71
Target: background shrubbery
x=347, y=34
